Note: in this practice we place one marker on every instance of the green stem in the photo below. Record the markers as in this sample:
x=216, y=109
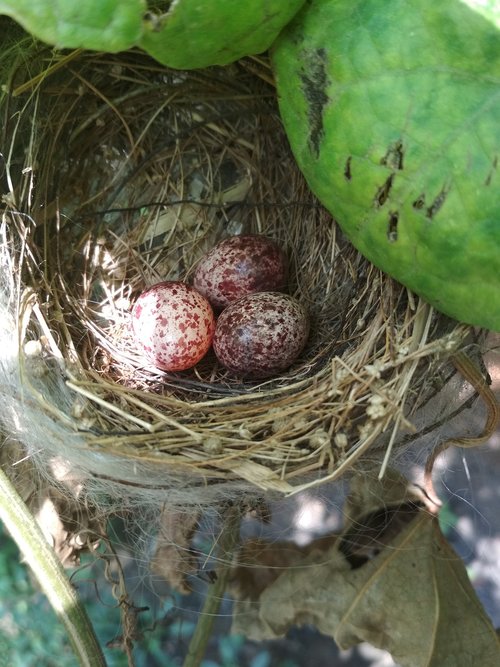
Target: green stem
x=228, y=541
x=50, y=574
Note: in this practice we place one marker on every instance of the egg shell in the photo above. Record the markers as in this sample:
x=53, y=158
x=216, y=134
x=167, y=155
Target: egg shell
x=173, y=325
x=240, y=265
x=261, y=334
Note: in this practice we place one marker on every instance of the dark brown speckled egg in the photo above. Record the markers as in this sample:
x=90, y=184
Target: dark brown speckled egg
x=238, y=266
x=261, y=334
x=173, y=325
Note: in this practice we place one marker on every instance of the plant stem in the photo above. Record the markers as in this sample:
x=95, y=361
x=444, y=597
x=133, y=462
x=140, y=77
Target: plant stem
x=50, y=574
x=228, y=541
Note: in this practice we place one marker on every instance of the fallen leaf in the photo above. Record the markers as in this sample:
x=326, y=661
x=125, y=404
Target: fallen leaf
x=70, y=525
x=259, y=564
x=174, y=558
x=411, y=597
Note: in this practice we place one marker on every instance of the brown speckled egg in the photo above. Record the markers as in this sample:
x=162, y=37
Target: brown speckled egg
x=173, y=325
x=261, y=334
x=238, y=266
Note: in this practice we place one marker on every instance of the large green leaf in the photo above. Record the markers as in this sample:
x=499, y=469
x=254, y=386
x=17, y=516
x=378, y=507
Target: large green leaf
x=103, y=25
x=392, y=111
x=198, y=34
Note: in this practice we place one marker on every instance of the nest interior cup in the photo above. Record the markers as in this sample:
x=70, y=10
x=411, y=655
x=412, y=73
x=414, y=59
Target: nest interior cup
x=121, y=173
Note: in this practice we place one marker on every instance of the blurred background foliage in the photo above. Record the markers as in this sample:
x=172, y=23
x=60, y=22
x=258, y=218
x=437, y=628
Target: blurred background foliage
x=31, y=635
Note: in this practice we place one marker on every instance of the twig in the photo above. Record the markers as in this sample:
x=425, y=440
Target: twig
x=228, y=542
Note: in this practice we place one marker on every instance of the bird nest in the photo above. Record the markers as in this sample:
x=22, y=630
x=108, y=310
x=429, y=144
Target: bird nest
x=120, y=173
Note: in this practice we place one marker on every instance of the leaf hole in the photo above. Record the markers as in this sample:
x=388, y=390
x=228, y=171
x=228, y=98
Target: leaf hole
x=392, y=226
x=439, y=200
x=419, y=202
x=347, y=169
x=384, y=190
x=394, y=156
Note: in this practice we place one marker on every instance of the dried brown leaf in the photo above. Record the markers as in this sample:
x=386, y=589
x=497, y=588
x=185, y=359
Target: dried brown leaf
x=174, y=558
x=412, y=598
x=68, y=526
x=260, y=563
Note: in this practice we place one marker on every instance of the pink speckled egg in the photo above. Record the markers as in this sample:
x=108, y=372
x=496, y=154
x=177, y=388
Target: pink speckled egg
x=238, y=266
x=261, y=334
x=173, y=325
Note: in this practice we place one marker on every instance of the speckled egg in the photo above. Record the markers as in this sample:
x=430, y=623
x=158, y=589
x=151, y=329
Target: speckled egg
x=261, y=334
x=173, y=325
x=238, y=266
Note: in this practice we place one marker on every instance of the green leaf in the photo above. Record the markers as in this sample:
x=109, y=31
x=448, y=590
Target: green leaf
x=198, y=34
x=392, y=111
x=102, y=25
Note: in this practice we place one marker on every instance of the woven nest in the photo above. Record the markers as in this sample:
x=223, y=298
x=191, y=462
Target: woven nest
x=121, y=173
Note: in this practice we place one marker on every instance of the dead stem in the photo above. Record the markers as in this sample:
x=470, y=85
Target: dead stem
x=471, y=373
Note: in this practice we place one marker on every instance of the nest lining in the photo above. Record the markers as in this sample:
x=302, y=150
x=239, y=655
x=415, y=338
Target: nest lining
x=122, y=173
